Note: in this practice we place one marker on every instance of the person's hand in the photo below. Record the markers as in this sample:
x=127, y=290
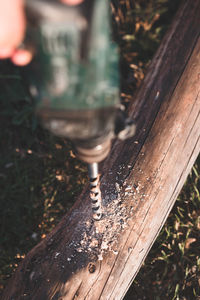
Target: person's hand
x=12, y=30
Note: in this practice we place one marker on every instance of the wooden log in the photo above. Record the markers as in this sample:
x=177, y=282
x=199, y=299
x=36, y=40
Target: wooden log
x=142, y=177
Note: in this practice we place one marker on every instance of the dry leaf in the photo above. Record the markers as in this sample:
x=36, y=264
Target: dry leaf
x=188, y=242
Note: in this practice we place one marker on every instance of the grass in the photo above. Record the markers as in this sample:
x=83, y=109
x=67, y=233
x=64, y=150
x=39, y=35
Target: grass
x=40, y=177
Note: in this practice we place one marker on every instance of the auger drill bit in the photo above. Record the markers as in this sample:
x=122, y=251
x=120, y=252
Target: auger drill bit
x=95, y=192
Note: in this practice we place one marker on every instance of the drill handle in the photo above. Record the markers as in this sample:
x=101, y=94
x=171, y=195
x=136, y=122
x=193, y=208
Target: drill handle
x=44, y=17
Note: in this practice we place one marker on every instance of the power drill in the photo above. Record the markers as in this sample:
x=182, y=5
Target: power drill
x=74, y=79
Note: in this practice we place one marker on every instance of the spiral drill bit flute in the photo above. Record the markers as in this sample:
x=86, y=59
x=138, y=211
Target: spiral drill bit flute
x=74, y=79
x=95, y=192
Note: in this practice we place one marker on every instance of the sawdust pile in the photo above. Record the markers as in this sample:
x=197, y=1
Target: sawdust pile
x=102, y=236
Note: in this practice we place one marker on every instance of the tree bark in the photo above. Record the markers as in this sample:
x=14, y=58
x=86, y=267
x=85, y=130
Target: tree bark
x=141, y=179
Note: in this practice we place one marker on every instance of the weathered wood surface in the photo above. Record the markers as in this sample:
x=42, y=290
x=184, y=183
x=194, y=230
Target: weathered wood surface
x=141, y=180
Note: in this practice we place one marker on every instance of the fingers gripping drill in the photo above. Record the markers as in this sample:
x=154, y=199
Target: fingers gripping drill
x=75, y=81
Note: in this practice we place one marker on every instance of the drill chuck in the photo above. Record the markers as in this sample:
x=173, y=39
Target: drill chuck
x=95, y=154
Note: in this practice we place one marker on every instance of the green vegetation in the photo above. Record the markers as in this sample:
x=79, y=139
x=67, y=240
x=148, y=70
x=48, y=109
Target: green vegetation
x=40, y=177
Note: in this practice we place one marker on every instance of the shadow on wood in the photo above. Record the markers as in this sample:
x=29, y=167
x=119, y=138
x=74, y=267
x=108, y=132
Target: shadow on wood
x=141, y=179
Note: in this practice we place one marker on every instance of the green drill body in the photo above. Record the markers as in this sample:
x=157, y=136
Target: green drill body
x=74, y=74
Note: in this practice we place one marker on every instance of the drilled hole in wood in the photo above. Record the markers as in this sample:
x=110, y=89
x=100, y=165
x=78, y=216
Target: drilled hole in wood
x=91, y=268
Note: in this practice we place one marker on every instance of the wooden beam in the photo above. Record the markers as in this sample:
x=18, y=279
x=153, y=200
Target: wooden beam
x=141, y=179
